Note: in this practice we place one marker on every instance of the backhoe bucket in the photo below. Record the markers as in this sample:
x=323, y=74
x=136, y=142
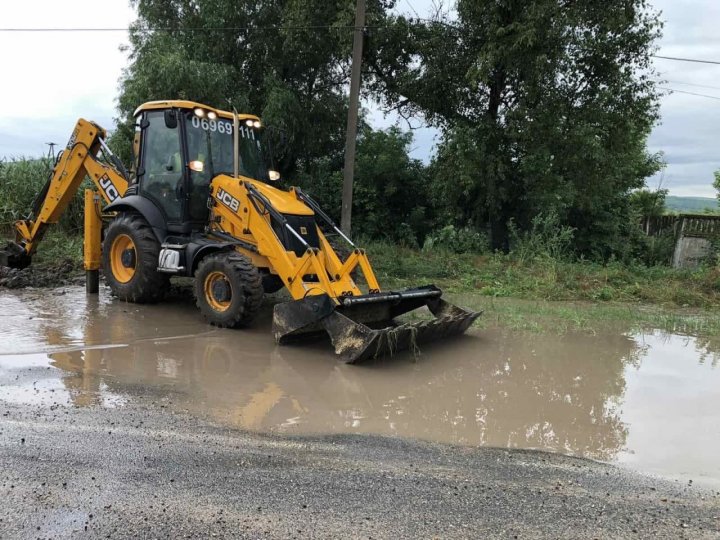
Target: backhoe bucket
x=363, y=327
x=13, y=256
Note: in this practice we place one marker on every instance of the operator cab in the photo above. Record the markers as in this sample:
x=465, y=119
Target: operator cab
x=180, y=146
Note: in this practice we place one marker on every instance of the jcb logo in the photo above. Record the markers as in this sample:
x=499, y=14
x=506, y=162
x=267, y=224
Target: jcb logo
x=228, y=200
x=109, y=188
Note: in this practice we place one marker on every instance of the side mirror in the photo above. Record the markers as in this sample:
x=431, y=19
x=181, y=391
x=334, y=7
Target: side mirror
x=170, y=119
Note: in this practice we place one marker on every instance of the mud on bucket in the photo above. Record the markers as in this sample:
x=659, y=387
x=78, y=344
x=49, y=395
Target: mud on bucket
x=363, y=327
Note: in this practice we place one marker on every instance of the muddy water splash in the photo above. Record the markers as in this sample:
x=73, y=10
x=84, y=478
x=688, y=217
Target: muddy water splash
x=650, y=401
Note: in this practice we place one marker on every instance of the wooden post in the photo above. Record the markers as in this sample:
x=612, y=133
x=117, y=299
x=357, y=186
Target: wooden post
x=351, y=134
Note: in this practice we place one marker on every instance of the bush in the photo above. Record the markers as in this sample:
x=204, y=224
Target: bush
x=546, y=239
x=463, y=240
x=656, y=250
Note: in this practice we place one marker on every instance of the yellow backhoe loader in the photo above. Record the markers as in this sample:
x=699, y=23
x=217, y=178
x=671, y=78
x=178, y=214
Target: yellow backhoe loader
x=199, y=204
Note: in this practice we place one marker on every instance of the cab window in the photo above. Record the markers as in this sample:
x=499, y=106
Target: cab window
x=162, y=166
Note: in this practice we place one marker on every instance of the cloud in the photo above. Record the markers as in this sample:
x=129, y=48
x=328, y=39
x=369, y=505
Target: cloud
x=689, y=124
x=50, y=79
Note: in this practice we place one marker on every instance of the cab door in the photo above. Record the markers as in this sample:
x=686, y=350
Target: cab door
x=161, y=172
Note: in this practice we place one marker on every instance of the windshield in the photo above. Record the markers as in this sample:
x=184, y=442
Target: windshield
x=211, y=142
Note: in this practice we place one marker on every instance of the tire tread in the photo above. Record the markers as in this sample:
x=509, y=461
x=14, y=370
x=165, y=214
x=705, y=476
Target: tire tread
x=246, y=274
x=149, y=285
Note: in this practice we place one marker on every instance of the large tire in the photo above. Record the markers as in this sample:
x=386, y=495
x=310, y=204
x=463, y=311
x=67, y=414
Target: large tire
x=130, y=260
x=228, y=289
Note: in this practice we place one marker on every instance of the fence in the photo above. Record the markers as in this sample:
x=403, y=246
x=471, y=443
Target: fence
x=693, y=225
x=693, y=235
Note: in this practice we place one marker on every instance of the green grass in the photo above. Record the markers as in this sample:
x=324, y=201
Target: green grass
x=562, y=317
x=502, y=276
x=57, y=247
x=559, y=318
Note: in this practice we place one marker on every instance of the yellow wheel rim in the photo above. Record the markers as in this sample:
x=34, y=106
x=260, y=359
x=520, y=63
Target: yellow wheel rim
x=218, y=291
x=123, y=258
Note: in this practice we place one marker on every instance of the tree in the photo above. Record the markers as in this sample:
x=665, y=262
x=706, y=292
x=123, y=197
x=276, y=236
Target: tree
x=392, y=193
x=286, y=60
x=647, y=203
x=545, y=106
x=716, y=183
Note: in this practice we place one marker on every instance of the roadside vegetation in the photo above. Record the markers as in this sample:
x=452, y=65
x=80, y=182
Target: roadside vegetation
x=506, y=275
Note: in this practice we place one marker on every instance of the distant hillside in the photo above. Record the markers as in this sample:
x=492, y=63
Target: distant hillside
x=691, y=204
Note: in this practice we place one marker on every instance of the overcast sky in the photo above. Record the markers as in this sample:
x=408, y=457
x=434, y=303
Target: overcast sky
x=52, y=78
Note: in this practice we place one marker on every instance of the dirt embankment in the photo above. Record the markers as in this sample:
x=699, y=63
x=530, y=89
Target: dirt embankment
x=57, y=274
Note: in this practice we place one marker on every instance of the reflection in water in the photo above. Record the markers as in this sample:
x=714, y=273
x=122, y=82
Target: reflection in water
x=603, y=396
x=498, y=389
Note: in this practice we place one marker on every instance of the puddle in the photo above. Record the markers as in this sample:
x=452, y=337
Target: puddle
x=648, y=401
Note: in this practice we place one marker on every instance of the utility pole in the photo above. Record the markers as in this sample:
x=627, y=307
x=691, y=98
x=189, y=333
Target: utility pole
x=352, y=121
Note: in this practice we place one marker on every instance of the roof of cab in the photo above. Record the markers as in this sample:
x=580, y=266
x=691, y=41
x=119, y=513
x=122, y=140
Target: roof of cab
x=184, y=104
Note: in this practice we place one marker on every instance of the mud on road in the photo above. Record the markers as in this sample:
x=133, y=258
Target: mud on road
x=61, y=273
x=140, y=421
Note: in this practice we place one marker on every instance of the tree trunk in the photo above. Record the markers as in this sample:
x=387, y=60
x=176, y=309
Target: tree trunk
x=499, y=234
x=497, y=210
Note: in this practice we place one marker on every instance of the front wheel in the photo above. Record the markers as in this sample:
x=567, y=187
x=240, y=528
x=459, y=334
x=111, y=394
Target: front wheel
x=130, y=260
x=228, y=289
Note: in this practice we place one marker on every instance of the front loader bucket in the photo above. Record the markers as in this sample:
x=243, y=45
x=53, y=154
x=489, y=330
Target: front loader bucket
x=363, y=327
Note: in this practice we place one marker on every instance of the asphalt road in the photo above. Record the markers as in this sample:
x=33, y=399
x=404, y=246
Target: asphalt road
x=142, y=471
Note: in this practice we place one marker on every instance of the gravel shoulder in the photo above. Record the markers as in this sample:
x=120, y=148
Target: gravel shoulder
x=142, y=471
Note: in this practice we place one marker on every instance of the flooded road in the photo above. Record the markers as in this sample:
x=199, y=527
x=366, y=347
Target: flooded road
x=649, y=401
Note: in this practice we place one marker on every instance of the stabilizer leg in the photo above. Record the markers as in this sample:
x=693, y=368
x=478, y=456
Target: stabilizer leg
x=91, y=241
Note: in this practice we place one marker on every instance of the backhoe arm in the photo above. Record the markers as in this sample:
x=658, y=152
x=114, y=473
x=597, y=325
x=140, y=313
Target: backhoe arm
x=78, y=160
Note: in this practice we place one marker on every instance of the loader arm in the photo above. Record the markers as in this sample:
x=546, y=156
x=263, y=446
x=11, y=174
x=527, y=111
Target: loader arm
x=78, y=160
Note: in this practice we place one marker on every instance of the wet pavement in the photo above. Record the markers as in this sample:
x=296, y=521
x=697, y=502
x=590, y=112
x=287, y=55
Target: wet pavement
x=646, y=401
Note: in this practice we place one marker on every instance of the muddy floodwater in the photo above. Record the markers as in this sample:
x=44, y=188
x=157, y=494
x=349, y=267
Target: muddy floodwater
x=649, y=401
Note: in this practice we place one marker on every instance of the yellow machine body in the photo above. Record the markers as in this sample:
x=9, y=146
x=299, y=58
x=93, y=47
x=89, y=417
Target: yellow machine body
x=245, y=221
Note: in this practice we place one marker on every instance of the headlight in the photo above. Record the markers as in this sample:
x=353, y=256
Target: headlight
x=274, y=176
x=249, y=123
x=211, y=115
x=256, y=124
x=200, y=113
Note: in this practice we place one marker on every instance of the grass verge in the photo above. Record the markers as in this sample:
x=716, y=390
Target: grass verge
x=502, y=276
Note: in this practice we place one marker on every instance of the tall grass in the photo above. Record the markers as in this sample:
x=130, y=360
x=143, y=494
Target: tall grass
x=21, y=180
x=545, y=278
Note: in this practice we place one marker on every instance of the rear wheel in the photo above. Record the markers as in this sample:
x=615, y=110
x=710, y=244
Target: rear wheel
x=228, y=289
x=130, y=259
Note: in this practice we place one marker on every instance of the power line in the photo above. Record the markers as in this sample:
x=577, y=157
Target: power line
x=686, y=59
x=690, y=84
x=689, y=93
x=190, y=29
x=412, y=8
